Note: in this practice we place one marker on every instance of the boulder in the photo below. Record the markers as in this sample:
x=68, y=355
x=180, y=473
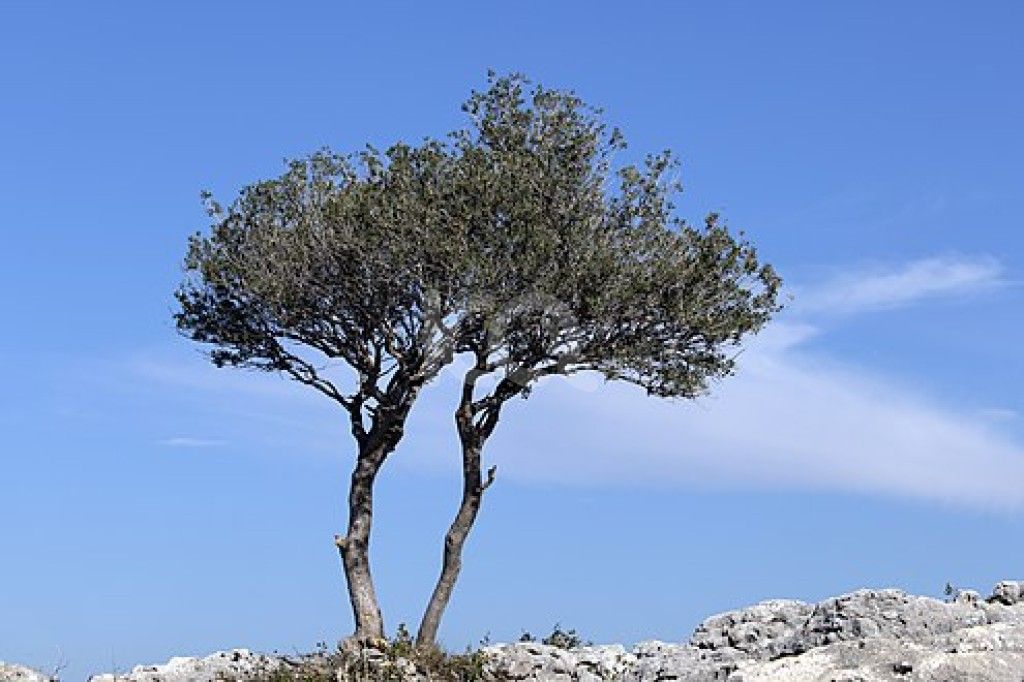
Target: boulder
x=878, y=659
x=9, y=672
x=766, y=630
x=237, y=664
x=1008, y=592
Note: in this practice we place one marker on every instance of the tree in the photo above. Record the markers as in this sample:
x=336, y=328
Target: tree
x=341, y=260
x=575, y=268
x=513, y=242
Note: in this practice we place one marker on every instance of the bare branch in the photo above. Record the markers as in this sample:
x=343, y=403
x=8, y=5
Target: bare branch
x=491, y=473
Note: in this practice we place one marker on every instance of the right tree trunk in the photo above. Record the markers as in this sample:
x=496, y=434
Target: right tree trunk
x=472, y=494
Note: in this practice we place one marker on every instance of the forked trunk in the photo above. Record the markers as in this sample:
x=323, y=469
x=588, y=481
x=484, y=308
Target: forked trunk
x=455, y=539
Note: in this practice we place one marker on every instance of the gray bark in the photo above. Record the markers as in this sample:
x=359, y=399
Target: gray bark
x=354, y=547
x=454, y=540
x=472, y=437
x=355, y=551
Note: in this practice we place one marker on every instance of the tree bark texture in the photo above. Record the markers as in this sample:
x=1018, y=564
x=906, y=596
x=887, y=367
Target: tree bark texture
x=473, y=489
x=354, y=547
x=355, y=551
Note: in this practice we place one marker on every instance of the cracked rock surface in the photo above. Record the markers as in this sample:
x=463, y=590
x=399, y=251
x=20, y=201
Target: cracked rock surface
x=9, y=672
x=863, y=636
x=237, y=664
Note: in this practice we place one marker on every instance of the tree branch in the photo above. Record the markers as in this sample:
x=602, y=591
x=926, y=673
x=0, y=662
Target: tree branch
x=304, y=372
x=491, y=473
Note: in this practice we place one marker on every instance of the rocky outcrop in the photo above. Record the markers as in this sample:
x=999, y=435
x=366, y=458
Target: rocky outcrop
x=238, y=664
x=10, y=672
x=864, y=636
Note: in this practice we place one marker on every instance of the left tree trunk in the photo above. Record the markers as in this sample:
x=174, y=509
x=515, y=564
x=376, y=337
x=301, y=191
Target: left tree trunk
x=355, y=545
x=355, y=551
x=455, y=539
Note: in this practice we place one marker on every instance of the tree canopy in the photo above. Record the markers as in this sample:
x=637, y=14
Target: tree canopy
x=517, y=240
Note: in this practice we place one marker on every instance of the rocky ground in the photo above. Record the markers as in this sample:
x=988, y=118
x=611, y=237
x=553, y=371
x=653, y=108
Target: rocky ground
x=17, y=673
x=864, y=636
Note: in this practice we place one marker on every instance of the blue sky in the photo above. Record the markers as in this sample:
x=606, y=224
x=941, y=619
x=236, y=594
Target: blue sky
x=153, y=506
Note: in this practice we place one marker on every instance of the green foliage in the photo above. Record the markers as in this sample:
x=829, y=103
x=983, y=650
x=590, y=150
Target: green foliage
x=393, y=661
x=565, y=639
x=513, y=239
x=402, y=644
x=576, y=267
x=398, y=657
x=951, y=592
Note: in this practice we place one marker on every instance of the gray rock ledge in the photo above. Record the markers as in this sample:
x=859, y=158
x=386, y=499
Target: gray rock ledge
x=9, y=672
x=863, y=636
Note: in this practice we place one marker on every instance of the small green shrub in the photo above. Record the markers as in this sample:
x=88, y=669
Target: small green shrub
x=564, y=639
x=391, y=661
x=951, y=591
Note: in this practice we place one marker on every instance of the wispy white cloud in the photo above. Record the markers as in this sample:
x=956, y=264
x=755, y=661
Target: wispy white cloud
x=790, y=419
x=998, y=414
x=787, y=421
x=877, y=288
x=189, y=442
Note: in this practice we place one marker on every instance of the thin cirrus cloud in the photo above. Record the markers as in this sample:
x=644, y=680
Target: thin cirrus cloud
x=790, y=419
x=189, y=442
x=870, y=289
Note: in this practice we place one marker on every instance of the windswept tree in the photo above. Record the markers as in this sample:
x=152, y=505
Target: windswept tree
x=340, y=262
x=574, y=266
x=513, y=242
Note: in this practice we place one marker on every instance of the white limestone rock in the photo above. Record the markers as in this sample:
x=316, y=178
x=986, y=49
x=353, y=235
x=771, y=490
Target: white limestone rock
x=1008, y=592
x=10, y=672
x=878, y=659
x=863, y=636
x=766, y=630
x=237, y=664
